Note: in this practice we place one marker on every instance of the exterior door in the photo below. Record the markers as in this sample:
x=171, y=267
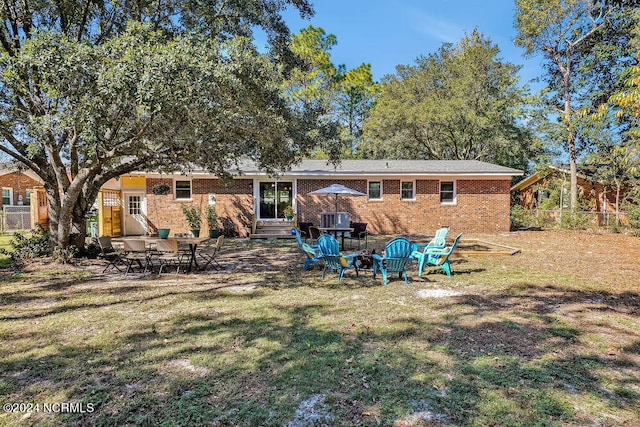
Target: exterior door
x=274, y=197
x=135, y=218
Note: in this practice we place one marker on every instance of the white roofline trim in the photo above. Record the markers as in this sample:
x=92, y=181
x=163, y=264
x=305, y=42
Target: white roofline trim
x=331, y=175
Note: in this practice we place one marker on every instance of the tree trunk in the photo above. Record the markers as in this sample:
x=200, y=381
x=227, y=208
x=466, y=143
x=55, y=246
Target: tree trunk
x=53, y=209
x=68, y=216
x=571, y=136
x=573, y=167
x=618, y=189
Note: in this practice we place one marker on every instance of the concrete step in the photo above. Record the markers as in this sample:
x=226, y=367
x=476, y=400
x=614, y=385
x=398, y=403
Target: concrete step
x=273, y=231
x=271, y=236
x=269, y=224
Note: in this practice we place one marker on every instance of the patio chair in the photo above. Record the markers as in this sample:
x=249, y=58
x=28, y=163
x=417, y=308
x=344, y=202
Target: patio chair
x=359, y=233
x=168, y=254
x=110, y=254
x=440, y=257
x=420, y=250
x=396, y=258
x=314, y=233
x=136, y=252
x=298, y=235
x=304, y=229
x=333, y=259
x=311, y=252
x=209, y=252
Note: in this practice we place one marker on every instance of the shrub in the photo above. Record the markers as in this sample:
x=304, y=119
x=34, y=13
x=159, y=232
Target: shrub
x=633, y=213
x=33, y=244
x=64, y=255
x=574, y=220
x=212, y=217
x=520, y=217
x=192, y=216
x=92, y=250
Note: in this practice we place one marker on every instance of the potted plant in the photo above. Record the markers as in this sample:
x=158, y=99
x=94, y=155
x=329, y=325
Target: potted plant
x=212, y=221
x=288, y=212
x=161, y=190
x=192, y=215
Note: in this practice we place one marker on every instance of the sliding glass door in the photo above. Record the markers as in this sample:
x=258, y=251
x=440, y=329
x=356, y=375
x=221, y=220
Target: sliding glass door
x=274, y=197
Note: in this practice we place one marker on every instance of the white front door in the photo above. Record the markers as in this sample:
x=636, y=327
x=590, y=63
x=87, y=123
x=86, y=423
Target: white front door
x=135, y=218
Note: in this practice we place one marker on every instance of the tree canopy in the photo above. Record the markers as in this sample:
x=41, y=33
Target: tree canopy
x=462, y=102
x=92, y=90
x=344, y=96
x=584, y=47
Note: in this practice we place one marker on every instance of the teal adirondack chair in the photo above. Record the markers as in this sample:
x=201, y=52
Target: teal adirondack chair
x=440, y=256
x=420, y=250
x=333, y=259
x=396, y=258
x=311, y=252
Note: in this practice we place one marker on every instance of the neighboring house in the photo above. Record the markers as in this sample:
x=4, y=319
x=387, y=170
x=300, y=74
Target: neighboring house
x=533, y=192
x=403, y=196
x=18, y=187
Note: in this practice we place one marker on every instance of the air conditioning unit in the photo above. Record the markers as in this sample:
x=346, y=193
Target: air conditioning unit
x=334, y=220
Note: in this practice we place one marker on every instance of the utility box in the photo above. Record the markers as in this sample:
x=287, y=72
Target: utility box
x=334, y=220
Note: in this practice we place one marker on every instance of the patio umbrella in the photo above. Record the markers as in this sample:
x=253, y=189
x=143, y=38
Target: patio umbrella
x=338, y=189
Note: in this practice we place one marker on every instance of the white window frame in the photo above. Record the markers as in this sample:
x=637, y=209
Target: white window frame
x=413, y=190
x=10, y=196
x=453, y=201
x=381, y=187
x=175, y=189
x=137, y=205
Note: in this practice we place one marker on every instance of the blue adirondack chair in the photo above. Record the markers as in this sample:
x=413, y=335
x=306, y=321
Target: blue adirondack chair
x=440, y=256
x=333, y=259
x=311, y=252
x=396, y=258
x=420, y=250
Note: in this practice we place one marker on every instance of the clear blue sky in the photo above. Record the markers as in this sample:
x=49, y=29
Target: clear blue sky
x=386, y=33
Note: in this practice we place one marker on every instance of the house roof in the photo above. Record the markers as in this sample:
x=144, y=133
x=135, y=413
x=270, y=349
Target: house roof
x=11, y=167
x=536, y=176
x=391, y=167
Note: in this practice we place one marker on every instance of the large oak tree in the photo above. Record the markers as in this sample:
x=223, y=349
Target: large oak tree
x=91, y=90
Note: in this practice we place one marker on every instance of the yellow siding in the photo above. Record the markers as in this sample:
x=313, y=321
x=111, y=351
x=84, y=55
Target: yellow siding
x=109, y=213
x=129, y=182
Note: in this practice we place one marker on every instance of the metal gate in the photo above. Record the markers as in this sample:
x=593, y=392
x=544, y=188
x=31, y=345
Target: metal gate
x=16, y=218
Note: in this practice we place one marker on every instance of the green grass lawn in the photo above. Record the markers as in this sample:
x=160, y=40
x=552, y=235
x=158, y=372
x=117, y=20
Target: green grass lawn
x=547, y=337
x=4, y=244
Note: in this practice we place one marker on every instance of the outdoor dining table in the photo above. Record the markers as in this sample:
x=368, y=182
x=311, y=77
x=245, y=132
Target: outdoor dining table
x=335, y=231
x=192, y=242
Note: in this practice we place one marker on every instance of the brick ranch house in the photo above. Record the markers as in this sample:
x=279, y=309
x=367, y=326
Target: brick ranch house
x=409, y=197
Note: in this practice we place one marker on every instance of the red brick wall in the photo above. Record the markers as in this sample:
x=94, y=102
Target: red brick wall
x=234, y=204
x=481, y=206
x=13, y=180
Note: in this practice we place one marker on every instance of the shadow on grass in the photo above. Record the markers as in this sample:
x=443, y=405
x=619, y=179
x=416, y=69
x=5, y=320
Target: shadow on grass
x=238, y=367
x=256, y=346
